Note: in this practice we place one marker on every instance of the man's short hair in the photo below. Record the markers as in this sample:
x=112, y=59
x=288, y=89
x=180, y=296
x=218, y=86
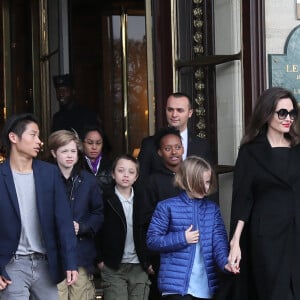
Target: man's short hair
x=180, y=95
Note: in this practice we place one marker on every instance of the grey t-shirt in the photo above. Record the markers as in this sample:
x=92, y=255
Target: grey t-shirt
x=31, y=239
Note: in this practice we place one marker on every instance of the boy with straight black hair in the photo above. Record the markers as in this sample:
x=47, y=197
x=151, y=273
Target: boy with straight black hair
x=37, y=236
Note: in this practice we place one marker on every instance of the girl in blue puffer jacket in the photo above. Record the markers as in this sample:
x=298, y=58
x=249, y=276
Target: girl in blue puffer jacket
x=189, y=233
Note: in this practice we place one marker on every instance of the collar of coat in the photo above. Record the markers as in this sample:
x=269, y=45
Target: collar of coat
x=261, y=150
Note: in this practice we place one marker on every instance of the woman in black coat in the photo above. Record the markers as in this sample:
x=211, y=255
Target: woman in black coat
x=265, y=215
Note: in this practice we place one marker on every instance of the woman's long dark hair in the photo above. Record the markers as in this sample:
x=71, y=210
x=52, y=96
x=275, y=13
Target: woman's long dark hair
x=264, y=110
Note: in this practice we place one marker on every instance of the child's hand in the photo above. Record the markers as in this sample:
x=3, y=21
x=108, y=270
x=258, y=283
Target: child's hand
x=192, y=237
x=100, y=265
x=232, y=269
x=76, y=227
x=150, y=270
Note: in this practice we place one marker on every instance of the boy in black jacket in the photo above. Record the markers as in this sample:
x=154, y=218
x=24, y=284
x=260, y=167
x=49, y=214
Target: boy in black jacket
x=121, y=242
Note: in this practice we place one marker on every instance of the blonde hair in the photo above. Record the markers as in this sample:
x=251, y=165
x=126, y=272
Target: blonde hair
x=190, y=176
x=63, y=137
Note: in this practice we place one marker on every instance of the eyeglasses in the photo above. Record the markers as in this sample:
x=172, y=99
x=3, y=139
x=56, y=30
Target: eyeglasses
x=283, y=113
x=90, y=143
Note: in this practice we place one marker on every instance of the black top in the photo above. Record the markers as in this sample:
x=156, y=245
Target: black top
x=159, y=186
x=76, y=118
x=103, y=175
x=280, y=157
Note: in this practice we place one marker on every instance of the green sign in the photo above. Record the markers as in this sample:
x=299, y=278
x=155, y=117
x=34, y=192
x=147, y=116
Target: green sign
x=284, y=69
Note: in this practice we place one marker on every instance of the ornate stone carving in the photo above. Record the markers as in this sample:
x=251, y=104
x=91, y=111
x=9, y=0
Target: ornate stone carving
x=199, y=84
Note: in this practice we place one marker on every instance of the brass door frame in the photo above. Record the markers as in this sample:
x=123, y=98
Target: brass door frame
x=150, y=71
x=40, y=67
x=44, y=106
x=125, y=80
x=7, y=86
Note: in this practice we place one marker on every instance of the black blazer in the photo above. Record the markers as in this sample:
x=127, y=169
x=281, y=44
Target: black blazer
x=151, y=162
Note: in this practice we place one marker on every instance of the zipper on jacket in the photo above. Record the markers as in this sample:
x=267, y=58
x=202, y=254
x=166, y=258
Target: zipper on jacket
x=193, y=246
x=73, y=186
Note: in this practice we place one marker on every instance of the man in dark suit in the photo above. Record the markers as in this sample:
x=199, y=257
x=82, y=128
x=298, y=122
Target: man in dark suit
x=178, y=112
x=37, y=237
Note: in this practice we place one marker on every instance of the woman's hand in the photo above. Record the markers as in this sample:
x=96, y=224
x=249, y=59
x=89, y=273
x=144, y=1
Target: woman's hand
x=234, y=257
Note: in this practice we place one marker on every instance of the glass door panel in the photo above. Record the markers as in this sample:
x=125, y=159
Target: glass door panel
x=125, y=81
x=16, y=78
x=137, y=81
x=21, y=56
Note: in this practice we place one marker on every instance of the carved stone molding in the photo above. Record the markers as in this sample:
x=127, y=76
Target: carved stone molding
x=199, y=83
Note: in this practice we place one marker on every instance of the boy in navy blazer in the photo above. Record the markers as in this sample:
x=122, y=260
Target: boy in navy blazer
x=37, y=238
